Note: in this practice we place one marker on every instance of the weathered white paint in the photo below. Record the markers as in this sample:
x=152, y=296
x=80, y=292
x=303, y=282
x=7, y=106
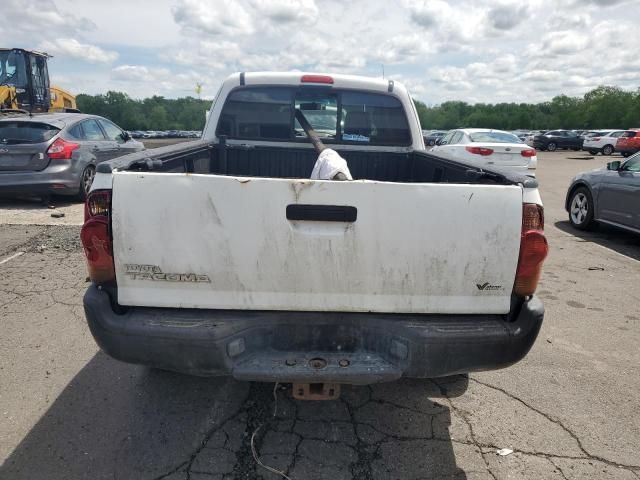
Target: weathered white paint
x=414, y=247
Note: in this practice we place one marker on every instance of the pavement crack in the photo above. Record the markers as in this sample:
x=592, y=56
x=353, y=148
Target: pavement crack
x=361, y=468
x=557, y=468
x=463, y=415
x=560, y=424
x=171, y=472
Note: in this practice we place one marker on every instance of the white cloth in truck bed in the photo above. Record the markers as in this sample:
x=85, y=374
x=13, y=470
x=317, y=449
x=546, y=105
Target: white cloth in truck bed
x=328, y=165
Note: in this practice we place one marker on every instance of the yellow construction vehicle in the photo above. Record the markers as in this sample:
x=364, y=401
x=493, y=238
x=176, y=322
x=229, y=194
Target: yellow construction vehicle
x=25, y=87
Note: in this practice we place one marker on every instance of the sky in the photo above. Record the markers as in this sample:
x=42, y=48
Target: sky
x=471, y=50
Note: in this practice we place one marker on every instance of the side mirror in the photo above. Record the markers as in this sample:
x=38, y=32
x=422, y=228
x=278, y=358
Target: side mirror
x=615, y=165
x=125, y=136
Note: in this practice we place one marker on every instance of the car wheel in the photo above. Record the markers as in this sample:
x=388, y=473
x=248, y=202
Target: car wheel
x=581, y=209
x=593, y=152
x=88, y=174
x=607, y=150
x=625, y=154
x=552, y=147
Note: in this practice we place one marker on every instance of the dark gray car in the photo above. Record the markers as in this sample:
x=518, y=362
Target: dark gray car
x=609, y=195
x=57, y=152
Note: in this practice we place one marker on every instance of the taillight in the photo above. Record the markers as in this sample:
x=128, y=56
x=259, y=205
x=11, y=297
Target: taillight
x=594, y=139
x=316, y=79
x=96, y=237
x=533, y=250
x=479, y=150
x=62, y=149
x=529, y=152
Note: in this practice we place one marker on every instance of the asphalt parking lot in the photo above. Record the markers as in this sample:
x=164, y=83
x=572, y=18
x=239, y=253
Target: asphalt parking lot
x=569, y=410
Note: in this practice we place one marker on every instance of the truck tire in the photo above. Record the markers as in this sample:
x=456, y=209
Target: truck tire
x=581, y=209
x=607, y=150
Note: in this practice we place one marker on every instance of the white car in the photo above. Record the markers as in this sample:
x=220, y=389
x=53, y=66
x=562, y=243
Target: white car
x=488, y=148
x=603, y=142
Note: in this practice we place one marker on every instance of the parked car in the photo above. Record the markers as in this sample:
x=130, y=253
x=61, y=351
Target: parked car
x=521, y=134
x=609, y=195
x=57, y=152
x=432, y=137
x=629, y=142
x=555, y=139
x=486, y=147
x=528, y=139
x=426, y=269
x=602, y=142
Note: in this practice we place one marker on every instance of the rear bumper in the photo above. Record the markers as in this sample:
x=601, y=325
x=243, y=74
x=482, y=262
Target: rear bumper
x=588, y=148
x=357, y=348
x=60, y=179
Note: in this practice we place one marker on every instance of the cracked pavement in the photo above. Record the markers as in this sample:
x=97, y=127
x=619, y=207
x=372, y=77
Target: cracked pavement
x=569, y=410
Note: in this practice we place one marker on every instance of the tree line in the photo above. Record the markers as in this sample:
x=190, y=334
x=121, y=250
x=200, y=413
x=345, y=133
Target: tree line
x=154, y=113
x=603, y=107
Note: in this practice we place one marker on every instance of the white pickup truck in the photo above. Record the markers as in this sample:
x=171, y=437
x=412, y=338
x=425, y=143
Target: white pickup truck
x=221, y=257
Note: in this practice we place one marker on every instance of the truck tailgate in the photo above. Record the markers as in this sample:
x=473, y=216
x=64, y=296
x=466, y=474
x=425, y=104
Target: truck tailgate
x=207, y=241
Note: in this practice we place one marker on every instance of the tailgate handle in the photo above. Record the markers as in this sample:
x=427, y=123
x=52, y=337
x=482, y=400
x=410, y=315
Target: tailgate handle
x=322, y=213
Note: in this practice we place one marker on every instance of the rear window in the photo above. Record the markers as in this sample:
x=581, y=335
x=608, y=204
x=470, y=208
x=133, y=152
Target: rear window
x=493, y=137
x=629, y=134
x=12, y=133
x=339, y=116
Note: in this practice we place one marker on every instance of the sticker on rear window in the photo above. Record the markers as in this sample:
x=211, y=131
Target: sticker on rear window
x=352, y=137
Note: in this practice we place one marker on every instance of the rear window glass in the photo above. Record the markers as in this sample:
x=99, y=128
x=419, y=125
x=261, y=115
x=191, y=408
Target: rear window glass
x=339, y=116
x=374, y=118
x=12, y=133
x=494, y=137
x=630, y=134
x=258, y=113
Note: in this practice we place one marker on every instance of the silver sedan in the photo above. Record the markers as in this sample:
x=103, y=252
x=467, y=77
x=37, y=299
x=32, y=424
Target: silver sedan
x=609, y=195
x=57, y=152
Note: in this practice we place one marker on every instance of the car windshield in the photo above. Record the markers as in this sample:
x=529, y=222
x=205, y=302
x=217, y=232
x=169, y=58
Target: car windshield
x=493, y=137
x=12, y=133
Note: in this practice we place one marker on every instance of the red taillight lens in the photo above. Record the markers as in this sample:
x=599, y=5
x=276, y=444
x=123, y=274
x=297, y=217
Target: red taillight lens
x=61, y=149
x=532, y=217
x=98, y=204
x=529, y=152
x=533, y=250
x=96, y=237
x=316, y=79
x=479, y=150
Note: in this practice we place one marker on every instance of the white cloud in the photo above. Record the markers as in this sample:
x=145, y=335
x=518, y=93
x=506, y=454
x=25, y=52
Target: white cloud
x=507, y=17
x=564, y=42
x=404, y=48
x=472, y=50
x=138, y=73
x=229, y=17
x=74, y=49
x=26, y=22
x=287, y=11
